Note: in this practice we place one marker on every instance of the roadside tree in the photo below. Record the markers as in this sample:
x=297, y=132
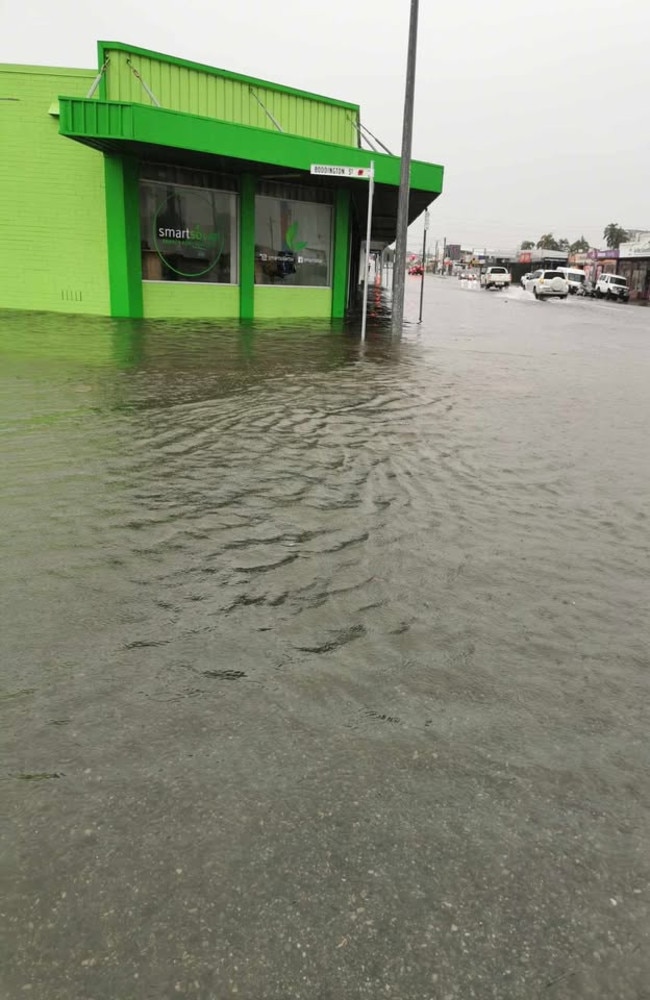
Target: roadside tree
x=614, y=235
x=579, y=246
x=548, y=242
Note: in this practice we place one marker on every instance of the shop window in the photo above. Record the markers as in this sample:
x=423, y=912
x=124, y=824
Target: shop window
x=188, y=233
x=293, y=238
x=188, y=176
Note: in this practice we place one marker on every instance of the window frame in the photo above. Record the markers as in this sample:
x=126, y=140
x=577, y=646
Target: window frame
x=181, y=279
x=327, y=204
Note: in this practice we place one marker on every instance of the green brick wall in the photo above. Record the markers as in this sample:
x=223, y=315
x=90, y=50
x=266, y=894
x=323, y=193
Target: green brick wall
x=53, y=252
x=292, y=302
x=177, y=299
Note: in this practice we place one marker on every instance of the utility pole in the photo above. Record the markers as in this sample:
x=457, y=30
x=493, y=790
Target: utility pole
x=366, y=263
x=399, y=264
x=444, y=254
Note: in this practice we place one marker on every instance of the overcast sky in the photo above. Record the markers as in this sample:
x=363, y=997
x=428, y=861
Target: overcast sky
x=538, y=111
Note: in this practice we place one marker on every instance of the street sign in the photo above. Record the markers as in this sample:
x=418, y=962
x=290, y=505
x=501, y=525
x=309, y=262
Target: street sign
x=426, y=221
x=326, y=170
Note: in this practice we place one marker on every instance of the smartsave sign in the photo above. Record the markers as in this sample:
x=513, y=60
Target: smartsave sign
x=175, y=242
x=326, y=170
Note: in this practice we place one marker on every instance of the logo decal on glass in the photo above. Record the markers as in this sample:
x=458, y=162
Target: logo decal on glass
x=292, y=243
x=179, y=245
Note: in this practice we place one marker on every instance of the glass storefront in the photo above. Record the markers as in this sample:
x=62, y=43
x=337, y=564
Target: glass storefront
x=293, y=236
x=637, y=273
x=188, y=228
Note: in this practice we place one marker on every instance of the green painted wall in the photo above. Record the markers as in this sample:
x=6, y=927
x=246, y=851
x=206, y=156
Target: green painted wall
x=121, y=176
x=341, y=247
x=53, y=245
x=276, y=302
x=214, y=93
x=247, y=246
x=180, y=300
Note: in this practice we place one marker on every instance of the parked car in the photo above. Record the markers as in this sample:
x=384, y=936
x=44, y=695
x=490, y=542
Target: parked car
x=524, y=278
x=612, y=286
x=495, y=277
x=547, y=284
x=574, y=276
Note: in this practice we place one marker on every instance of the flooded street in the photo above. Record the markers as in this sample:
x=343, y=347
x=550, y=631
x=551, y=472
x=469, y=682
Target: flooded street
x=325, y=666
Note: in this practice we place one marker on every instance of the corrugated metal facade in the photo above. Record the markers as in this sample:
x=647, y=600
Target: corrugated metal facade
x=225, y=97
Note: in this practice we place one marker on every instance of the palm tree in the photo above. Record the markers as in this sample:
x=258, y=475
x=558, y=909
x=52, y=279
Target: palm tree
x=614, y=235
x=547, y=242
x=579, y=246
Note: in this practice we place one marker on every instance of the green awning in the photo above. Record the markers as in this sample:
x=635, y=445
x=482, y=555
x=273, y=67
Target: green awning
x=153, y=133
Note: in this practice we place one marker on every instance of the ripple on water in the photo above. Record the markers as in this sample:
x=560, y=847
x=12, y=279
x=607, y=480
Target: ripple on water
x=424, y=565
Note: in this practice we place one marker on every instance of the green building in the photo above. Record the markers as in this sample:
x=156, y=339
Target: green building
x=158, y=187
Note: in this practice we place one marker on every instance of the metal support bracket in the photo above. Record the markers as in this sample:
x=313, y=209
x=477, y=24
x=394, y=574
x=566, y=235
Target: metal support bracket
x=265, y=110
x=150, y=94
x=363, y=132
x=95, y=83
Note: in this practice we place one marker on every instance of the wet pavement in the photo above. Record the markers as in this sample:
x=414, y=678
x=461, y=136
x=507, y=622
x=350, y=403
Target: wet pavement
x=325, y=665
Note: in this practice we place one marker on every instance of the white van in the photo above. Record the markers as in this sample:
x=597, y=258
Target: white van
x=574, y=276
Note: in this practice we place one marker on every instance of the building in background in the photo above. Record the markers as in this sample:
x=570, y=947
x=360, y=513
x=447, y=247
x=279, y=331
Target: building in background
x=578, y=259
x=634, y=264
x=635, y=235
x=523, y=261
x=158, y=187
x=601, y=262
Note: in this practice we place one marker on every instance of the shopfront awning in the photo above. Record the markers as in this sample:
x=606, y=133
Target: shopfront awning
x=159, y=135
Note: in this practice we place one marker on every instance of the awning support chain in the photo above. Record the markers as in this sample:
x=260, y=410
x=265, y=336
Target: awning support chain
x=266, y=110
x=366, y=129
x=152, y=96
x=361, y=137
x=95, y=83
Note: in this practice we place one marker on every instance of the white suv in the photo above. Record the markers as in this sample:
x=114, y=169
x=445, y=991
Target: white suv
x=612, y=286
x=495, y=277
x=546, y=284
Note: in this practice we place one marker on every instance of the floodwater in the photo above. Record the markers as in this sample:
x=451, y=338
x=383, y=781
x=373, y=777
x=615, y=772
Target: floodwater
x=325, y=666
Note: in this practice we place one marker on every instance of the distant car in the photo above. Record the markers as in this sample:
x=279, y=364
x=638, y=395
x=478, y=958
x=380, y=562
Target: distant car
x=524, y=278
x=547, y=284
x=495, y=277
x=416, y=269
x=612, y=286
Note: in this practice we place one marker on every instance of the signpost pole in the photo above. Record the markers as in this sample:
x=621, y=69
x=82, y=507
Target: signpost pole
x=359, y=173
x=424, y=261
x=364, y=308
